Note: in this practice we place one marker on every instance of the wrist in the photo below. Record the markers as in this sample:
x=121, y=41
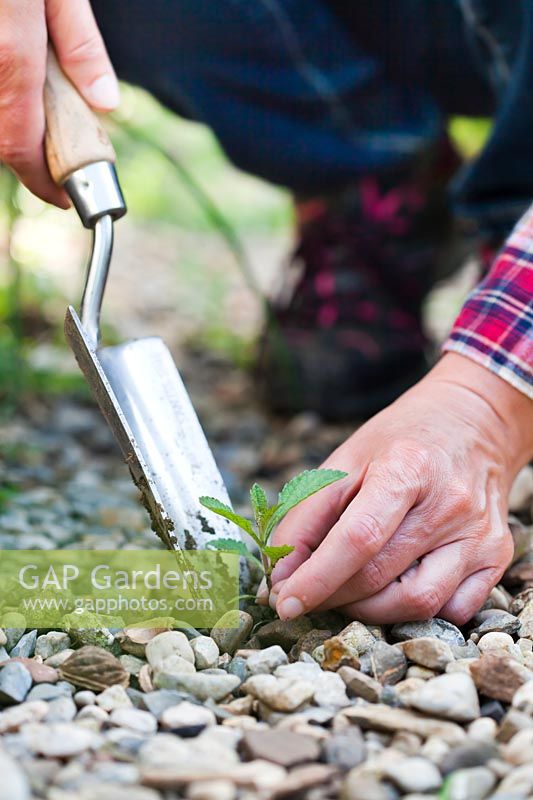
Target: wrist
x=511, y=410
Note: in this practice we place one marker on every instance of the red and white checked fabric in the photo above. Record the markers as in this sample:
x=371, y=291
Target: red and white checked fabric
x=495, y=325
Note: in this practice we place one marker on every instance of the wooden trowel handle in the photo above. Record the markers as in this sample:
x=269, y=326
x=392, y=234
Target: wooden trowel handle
x=74, y=135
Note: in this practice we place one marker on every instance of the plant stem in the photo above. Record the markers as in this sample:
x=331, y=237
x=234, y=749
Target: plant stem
x=266, y=566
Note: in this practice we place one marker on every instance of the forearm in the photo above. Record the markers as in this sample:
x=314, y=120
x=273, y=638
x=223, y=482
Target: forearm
x=508, y=410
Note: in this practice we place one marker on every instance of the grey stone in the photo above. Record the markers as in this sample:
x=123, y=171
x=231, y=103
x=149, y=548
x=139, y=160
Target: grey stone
x=279, y=694
x=427, y=651
x=134, y=719
x=357, y=787
x=452, y=696
x=62, y=709
x=357, y=638
x=414, y=774
x=51, y=643
x=232, y=630
x=50, y=691
x=523, y=698
x=519, y=783
x=59, y=740
x=283, y=632
x=497, y=621
x=85, y=698
x=167, y=645
x=475, y=783
x=360, y=685
x=14, y=784
x=439, y=628
x=385, y=663
x=283, y=747
x=380, y=717
x=237, y=666
x=13, y=635
x=499, y=642
x=25, y=645
x=467, y=754
x=468, y=650
x=330, y=691
x=201, y=684
x=156, y=702
x=113, y=697
x=15, y=683
x=513, y=722
x=266, y=661
x=187, y=719
x=347, y=749
x=205, y=651
x=131, y=664
x=12, y=718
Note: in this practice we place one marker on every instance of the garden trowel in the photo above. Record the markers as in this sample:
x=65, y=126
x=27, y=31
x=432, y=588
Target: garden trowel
x=136, y=384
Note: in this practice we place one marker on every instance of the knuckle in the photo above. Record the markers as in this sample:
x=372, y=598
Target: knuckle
x=409, y=466
x=13, y=152
x=364, y=534
x=17, y=64
x=425, y=602
x=463, y=498
x=89, y=48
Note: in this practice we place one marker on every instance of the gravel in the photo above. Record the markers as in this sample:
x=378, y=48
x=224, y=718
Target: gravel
x=246, y=711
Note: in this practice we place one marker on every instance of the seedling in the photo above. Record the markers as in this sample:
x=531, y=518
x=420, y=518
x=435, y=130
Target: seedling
x=266, y=517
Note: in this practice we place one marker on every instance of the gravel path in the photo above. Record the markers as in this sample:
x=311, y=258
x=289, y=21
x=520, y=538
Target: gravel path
x=314, y=708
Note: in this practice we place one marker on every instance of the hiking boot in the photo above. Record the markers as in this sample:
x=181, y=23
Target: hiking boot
x=345, y=337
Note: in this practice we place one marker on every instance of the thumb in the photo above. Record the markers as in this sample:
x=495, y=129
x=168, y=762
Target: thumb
x=81, y=52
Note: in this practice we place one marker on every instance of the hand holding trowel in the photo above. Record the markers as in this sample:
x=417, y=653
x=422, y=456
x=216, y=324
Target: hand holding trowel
x=136, y=384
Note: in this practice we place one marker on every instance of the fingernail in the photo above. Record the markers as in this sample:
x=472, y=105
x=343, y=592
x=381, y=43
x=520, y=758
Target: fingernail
x=104, y=93
x=272, y=600
x=291, y=607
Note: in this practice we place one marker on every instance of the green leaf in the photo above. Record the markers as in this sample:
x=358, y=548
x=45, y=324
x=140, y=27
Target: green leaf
x=223, y=510
x=276, y=553
x=258, y=500
x=234, y=546
x=229, y=546
x=262, y=511
x=300, y=488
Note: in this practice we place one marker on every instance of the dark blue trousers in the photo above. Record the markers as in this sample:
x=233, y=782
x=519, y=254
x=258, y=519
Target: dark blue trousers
x=310, y=94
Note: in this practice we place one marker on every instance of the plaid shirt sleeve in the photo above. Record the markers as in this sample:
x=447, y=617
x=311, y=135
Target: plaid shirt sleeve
x=495, y=325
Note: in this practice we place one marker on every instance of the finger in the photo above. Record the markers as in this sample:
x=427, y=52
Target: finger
x=22, y=72
x=362, y=530
x=306, y=525
x=470, y=595
x=420, y=593
x=81, y=52
x=405, y=547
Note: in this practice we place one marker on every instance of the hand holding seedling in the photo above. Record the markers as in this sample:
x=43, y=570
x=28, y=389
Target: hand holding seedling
x=419, y=526
x=266, y=517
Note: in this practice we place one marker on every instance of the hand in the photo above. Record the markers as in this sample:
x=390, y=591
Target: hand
x=81, y=53
x=419, y=526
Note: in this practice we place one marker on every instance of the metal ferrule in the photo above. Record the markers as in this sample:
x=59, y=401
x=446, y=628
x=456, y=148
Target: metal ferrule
x=97, y=197
x=95, y=192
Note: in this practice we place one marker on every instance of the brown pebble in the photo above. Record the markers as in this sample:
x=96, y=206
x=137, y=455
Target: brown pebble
x=498, y=675
x=39, y=672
